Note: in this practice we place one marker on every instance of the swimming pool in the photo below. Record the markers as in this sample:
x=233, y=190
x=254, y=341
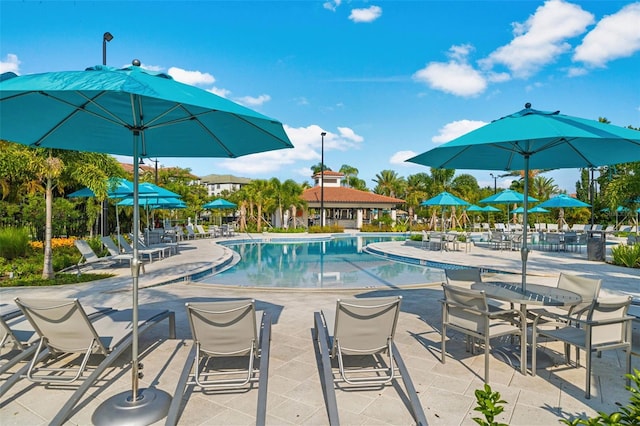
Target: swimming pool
x=332, y=263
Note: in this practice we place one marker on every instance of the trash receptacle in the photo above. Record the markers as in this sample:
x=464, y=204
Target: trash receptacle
x=596, y=246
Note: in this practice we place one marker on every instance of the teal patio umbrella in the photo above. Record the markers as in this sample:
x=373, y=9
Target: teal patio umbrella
x=219, y=204
x=444, y=199
x=117, y=188
x=138, y=113
x=508, y=197
x=562, y=201
x=532, y=139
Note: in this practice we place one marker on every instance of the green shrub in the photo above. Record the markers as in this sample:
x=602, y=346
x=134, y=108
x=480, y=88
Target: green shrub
x=332, y=229
x=489, y=404
x=14, y=242
x=297, y=230
x=628, y=256
x=628, y=415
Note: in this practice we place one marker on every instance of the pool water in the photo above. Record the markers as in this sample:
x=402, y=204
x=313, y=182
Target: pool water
x=334, y=263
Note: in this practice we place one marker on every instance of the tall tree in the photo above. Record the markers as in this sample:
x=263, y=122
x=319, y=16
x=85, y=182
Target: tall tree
x=389, y=183
x=50, y=171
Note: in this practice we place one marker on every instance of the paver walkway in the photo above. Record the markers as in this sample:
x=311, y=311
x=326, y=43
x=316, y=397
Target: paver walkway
x=295, y=394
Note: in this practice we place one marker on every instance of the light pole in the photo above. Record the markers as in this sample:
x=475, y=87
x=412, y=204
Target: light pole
x=105, y=38
x=495, y=185
x=105, y=205
x=323, y=134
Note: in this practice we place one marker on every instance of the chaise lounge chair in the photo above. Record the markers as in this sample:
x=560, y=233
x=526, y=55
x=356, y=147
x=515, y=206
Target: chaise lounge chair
x=222, y=330
x=89, y=257
x=64, y=329
x=115, y=252
x=362, y=327
x=141, y=252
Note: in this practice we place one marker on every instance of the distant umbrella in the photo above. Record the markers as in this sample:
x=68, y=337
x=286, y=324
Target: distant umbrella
x=563, y=200
x=219, y=203
x=444, y=199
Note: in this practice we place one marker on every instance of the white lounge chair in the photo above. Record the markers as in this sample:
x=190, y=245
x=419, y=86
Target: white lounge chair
x=222, y=330
x=141, y=251
x=362, y=328
x=89, y=257
x=65, y=330
x=115, y=252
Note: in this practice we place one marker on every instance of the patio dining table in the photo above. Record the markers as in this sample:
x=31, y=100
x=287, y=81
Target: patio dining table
x=536, y=294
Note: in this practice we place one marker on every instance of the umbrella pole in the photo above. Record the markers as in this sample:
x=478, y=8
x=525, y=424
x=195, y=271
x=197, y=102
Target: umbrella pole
x=524, y=250
x=137, y=406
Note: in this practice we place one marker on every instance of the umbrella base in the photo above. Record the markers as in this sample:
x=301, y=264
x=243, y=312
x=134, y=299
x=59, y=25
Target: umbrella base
x=511, y=355
x=151, y=406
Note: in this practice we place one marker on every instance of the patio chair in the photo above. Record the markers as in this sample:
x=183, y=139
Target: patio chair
x=89, y=257
x=115, y=252
x=222, y=330
x=362, y=330
x=463, y=277
x=141, y=251
x=587, y=288
x=64, y=329
x=606, y=326
x=466, y=311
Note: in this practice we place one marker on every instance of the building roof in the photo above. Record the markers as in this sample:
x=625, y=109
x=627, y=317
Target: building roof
x=347, y=197
x=328, y=173
x=225, y=179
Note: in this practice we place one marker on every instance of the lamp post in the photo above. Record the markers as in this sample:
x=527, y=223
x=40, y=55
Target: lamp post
x=495, y=184
x=105, y=38
x=323, y=134
x=105, y=205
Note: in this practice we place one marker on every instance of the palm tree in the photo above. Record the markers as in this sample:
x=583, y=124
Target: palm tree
x=389, y=183
x=291, y=192
x=349, y=172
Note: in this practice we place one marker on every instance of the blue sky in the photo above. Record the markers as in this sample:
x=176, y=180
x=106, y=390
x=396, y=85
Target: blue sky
x=385, y=79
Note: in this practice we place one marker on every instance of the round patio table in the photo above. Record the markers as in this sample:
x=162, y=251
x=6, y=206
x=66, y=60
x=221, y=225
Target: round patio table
x=536, y=294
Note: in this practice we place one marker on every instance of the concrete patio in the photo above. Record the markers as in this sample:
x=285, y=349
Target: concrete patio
x=295, y=393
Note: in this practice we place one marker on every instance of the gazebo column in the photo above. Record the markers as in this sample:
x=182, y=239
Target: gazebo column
x=359, y=218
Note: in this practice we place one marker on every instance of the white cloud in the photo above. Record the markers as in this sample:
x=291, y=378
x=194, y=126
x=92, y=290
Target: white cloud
x=454, y=129
x=332, y=5
x=194, y=78
x=10, y=64
x=307, y=144
x=369, y=14
x=615, y=36
x=541, y=39
x=400, y=158
x=252, y=101
x=348, y=133
x=154, y=68
x=576, y=71
x=220, y=92
x=456, y=76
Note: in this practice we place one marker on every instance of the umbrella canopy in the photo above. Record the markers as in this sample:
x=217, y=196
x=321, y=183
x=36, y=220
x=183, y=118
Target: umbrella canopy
x=536, y=209
x=474, y=208
x=508, y=196
x=133, y=112
x=117, y=188
x=532, y=139
x=153, y=190
x=219, y=203
x=444, y=199
x=564, y=201
x=155, y=203
x=490, y=209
